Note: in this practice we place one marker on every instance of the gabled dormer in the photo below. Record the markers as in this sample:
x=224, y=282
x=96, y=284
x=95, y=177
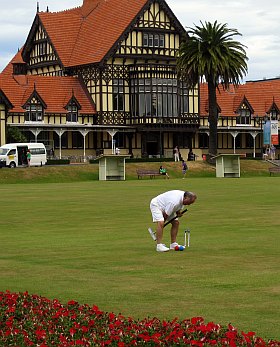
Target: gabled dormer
x=72, y=108
x=273, y=111
x=38, y=50
x=155, y=33
x=244, y=112
x=34, y=108
x=19, y=65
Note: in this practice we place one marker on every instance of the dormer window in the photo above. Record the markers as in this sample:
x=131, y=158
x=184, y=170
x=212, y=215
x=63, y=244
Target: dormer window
x=244, y=117
x=72, y=110
x=273, y=114
x=72, y=115
x=34, y=111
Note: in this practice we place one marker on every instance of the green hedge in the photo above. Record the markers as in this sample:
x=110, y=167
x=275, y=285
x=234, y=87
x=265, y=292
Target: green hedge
x=58, y=162
x=140, y=160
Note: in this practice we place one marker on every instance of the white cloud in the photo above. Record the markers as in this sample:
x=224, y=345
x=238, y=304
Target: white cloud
x=257, y=22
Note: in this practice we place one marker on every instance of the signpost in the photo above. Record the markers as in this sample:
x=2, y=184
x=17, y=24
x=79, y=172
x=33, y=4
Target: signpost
x=274, y=132
x=270, y=133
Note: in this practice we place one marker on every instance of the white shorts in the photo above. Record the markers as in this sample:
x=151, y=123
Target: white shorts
x=157, y=212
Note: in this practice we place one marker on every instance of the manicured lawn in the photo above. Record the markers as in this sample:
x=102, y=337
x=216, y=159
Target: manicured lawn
x=88, y=242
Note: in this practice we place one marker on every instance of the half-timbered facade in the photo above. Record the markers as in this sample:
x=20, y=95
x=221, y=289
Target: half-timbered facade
x=122, y=57
x=242, y=115
x=103, y=75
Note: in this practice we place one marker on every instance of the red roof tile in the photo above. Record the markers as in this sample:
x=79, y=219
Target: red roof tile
x=86, y=34
x=259, y=94
x=55, y=92
x=8, y=70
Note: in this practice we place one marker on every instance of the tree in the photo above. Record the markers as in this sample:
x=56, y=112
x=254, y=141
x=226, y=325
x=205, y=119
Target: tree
x=15, y=135
x=209, y=53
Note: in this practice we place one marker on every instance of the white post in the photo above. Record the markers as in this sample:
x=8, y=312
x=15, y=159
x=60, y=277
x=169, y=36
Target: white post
x=112, y=134
x=60, y=132
x=84, y=132
x=36, y=132
x=254, y=135
x=234, y=134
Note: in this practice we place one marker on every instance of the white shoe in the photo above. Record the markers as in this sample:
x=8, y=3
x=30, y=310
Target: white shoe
x=153, y=236
x=173, y=245
x=162, y=248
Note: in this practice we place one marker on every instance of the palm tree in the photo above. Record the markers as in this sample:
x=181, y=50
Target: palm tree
x=210, y=54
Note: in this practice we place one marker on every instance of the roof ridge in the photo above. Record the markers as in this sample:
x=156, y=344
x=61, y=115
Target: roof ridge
x=62, y=11
x=84, y=16
x=87, y=6
x=76, y=40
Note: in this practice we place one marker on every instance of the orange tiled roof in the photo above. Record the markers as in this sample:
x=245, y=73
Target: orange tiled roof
x=8, y=70
x=85, y=34
x=55, y=91
x=259, y=94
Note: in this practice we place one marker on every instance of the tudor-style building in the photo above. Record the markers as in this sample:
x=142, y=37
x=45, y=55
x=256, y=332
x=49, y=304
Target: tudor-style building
x=104, y=74
x=100, y=75
x=243, y=112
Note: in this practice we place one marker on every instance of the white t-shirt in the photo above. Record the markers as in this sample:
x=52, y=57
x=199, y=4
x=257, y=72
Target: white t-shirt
x=171, y=201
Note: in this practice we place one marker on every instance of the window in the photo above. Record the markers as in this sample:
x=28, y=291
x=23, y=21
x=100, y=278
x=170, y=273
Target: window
x=72, y=115
x=34, y=113
x=12, y=152
x=153, y=40
x=244, y=117
x=42, y=48
x=118, y=95
x=273, y=114
x=154, y=97
x=120, y=140
x=37, y=151
x=238, y=141
x=77, y=140
x=203, y=140
x=249, y=141
x=64, y=140
x=184, y=93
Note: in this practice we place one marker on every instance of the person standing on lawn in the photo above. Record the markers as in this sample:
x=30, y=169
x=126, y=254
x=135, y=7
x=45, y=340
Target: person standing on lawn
x=176, y=154
x=163, y=208
x=28, y=157
x=184, y=168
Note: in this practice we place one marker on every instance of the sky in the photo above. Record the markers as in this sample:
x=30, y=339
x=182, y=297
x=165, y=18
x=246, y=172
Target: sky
x=256, y=20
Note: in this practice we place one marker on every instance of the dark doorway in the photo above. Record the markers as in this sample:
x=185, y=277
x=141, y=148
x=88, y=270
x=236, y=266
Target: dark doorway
x=152, y=148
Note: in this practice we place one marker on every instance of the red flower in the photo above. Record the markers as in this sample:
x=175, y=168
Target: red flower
x=231, y=334
x=72, y=302
x=31, y=320
x=41, y=333
x=197, y=320
x=72, y=331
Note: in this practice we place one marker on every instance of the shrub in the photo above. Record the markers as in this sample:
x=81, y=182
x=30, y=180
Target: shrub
x=32, y=320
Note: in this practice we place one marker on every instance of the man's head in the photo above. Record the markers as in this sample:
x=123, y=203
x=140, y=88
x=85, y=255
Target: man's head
x=189, y=198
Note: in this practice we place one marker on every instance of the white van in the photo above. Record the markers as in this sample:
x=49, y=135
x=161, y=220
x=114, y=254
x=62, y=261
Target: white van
x=14, y=154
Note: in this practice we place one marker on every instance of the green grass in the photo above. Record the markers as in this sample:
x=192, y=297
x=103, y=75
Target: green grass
x=88, y=241
x=88, y=172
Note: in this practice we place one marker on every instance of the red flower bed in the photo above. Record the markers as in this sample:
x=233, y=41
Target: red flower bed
x=31, y=320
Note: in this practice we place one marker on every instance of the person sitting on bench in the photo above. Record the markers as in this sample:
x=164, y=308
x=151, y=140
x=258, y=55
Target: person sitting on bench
x=163, y=171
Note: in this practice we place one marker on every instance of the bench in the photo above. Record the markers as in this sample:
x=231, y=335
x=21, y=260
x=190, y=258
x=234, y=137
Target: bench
x=274, y=169
x=151, y=173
